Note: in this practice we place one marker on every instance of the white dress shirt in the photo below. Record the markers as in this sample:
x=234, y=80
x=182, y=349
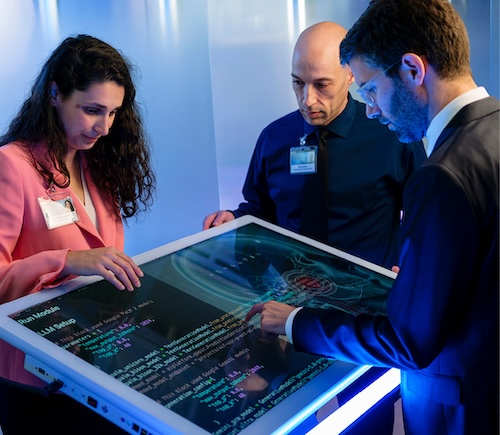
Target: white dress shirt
x=446, y=114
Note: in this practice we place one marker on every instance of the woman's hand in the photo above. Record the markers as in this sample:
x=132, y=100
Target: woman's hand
x=110, y=263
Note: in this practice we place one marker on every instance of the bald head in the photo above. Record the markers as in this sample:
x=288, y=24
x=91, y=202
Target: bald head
x=320, y=40
x=320, y=82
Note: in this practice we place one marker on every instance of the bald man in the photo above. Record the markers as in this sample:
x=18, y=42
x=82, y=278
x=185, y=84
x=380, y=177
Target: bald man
x=360, y=198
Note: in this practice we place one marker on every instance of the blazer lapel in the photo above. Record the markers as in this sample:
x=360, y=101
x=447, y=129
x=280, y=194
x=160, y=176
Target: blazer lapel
x=106, y=217
x=469, y=113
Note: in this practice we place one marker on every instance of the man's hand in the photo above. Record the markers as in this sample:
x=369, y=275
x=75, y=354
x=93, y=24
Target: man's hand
x=217, y=218
x=273, y=316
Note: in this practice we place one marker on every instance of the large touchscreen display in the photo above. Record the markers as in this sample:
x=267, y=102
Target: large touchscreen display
x=181, y=339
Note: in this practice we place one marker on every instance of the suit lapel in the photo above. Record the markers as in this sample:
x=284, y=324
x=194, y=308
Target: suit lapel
x=469, y=113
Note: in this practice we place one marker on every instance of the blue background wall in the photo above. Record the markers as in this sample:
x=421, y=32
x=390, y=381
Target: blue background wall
x=212, y=74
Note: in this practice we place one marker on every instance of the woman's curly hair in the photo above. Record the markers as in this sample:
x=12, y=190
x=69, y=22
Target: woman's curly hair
x=119, y=162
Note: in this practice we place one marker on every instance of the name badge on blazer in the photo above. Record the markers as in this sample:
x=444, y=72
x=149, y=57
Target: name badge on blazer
x=58, y=210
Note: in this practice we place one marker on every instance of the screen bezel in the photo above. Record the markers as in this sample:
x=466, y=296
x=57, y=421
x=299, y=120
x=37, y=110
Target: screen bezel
x=291, y=411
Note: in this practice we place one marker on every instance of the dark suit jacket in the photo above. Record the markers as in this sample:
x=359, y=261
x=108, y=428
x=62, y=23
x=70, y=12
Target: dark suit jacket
x=442, y=324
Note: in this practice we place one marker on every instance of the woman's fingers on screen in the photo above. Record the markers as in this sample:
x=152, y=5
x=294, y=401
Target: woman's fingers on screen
x=125, y=273
x=113, y=265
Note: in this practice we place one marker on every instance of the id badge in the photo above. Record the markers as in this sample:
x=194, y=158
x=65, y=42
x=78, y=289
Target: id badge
x=58, y=210
x=303, y=159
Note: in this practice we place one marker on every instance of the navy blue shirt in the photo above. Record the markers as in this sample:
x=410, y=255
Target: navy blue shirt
x=367, y=170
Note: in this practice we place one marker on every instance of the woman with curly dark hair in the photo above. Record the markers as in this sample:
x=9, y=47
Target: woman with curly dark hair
x=77, y=140
x=79, y=137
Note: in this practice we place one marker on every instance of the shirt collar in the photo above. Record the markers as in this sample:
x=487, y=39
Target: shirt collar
x=446, y=114
x=341, y=125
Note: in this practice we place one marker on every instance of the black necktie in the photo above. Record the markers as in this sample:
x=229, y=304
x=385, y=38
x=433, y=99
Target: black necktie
x=315, y=208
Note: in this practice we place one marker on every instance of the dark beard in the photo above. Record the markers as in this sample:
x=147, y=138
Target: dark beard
x=411, y=115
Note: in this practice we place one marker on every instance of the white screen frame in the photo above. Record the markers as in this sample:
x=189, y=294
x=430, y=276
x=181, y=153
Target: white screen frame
x=79, y=376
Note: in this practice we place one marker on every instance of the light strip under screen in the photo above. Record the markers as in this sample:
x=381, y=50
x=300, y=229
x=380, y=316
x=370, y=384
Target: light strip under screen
x=353, y=409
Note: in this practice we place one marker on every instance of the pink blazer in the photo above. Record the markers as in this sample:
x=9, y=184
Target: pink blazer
x=31, y=255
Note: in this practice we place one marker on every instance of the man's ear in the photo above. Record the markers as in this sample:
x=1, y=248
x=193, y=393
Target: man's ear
x=413, y=69
x=54, y=93
x=350, y=75
x=351, y=78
